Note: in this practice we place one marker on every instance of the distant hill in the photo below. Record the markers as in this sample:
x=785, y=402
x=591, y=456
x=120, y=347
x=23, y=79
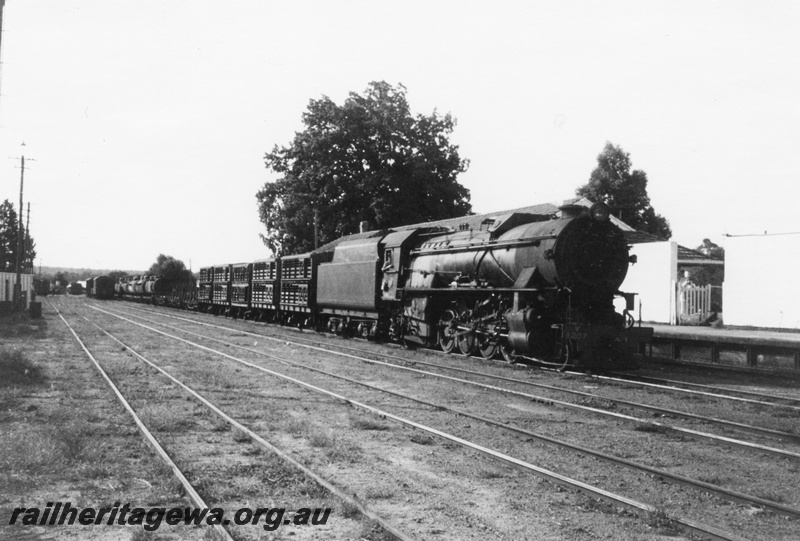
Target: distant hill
x=80, y=274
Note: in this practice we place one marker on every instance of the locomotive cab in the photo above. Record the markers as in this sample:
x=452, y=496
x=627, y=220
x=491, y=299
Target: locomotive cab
x=396, y=250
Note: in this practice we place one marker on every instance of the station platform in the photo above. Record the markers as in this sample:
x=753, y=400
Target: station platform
x=743, y=348
x=724, y=334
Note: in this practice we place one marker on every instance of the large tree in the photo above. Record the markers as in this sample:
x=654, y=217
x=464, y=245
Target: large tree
x=169, y=268
x=9, y=241
x=368, y=160
x=625, y=191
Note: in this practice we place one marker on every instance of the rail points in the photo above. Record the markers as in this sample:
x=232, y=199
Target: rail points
x=745, y=349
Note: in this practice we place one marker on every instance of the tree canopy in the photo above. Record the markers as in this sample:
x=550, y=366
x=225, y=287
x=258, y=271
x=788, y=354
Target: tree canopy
x=711, y=249
x=625, y=191
x=116, y=275
x=709, y=275
x=366, y=160
x=169, y=268
x=9, y=241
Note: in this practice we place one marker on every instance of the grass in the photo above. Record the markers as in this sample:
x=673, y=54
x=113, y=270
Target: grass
x=308, y=488
x=40, y=450
x=165, y=418
x=248, y=486
x=240, y=436
x=20, y=325
x=422, y=439
x=379, y=494
x=318, y=439
x=651, y=428
x=658, y=519
x=233, y=488
x=29, y=450
x=17, y=369
x=220, y=425
x=74, y=441
x=253, y=450
x=336, y=449
x=295, y=426
x=361, y=422
x=167, y=489
x=712, y=479
x=490, y=473
x=371, y=530
x=771, y=495
x=349, y=510
x=144, y=535
x=212, y=534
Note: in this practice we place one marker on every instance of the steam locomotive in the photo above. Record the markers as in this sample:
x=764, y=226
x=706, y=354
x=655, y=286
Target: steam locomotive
x=521, y=286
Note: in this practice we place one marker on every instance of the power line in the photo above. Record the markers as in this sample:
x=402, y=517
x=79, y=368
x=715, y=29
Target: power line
x=764, y=234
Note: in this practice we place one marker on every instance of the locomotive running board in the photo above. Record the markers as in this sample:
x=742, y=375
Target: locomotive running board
x=475, y=289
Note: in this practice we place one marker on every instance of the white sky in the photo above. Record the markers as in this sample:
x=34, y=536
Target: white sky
x=148, y=121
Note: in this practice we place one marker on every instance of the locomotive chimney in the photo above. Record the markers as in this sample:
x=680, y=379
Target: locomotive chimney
x=363, y=227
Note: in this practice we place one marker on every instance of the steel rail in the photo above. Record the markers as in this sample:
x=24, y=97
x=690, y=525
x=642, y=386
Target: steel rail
x=639, y=405
x=678, y=389
x=687, y=391
x=730, y=495
x=521, y=465
x=631, y=404
x=720, y=396
x=387, y=526
x=550, y=401
x=663, y=381
x=733, y=424
x=196, y=499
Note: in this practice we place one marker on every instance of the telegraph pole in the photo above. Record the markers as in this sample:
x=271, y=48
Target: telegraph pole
x=18, y=304
x=28, y=238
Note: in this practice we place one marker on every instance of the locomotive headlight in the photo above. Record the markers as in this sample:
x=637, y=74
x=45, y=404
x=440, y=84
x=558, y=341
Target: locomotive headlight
x=599, y=212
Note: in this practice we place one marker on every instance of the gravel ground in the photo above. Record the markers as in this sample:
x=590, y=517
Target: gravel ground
x=65, y=437
x=426, y=486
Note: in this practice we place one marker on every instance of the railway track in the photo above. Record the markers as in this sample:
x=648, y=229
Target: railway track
x=761, y=397
x=720, y=393
x=781, y=435
x=666, y=385
x=387, y=530
x=730, y=495
x=191, y=492
x=387, y=527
